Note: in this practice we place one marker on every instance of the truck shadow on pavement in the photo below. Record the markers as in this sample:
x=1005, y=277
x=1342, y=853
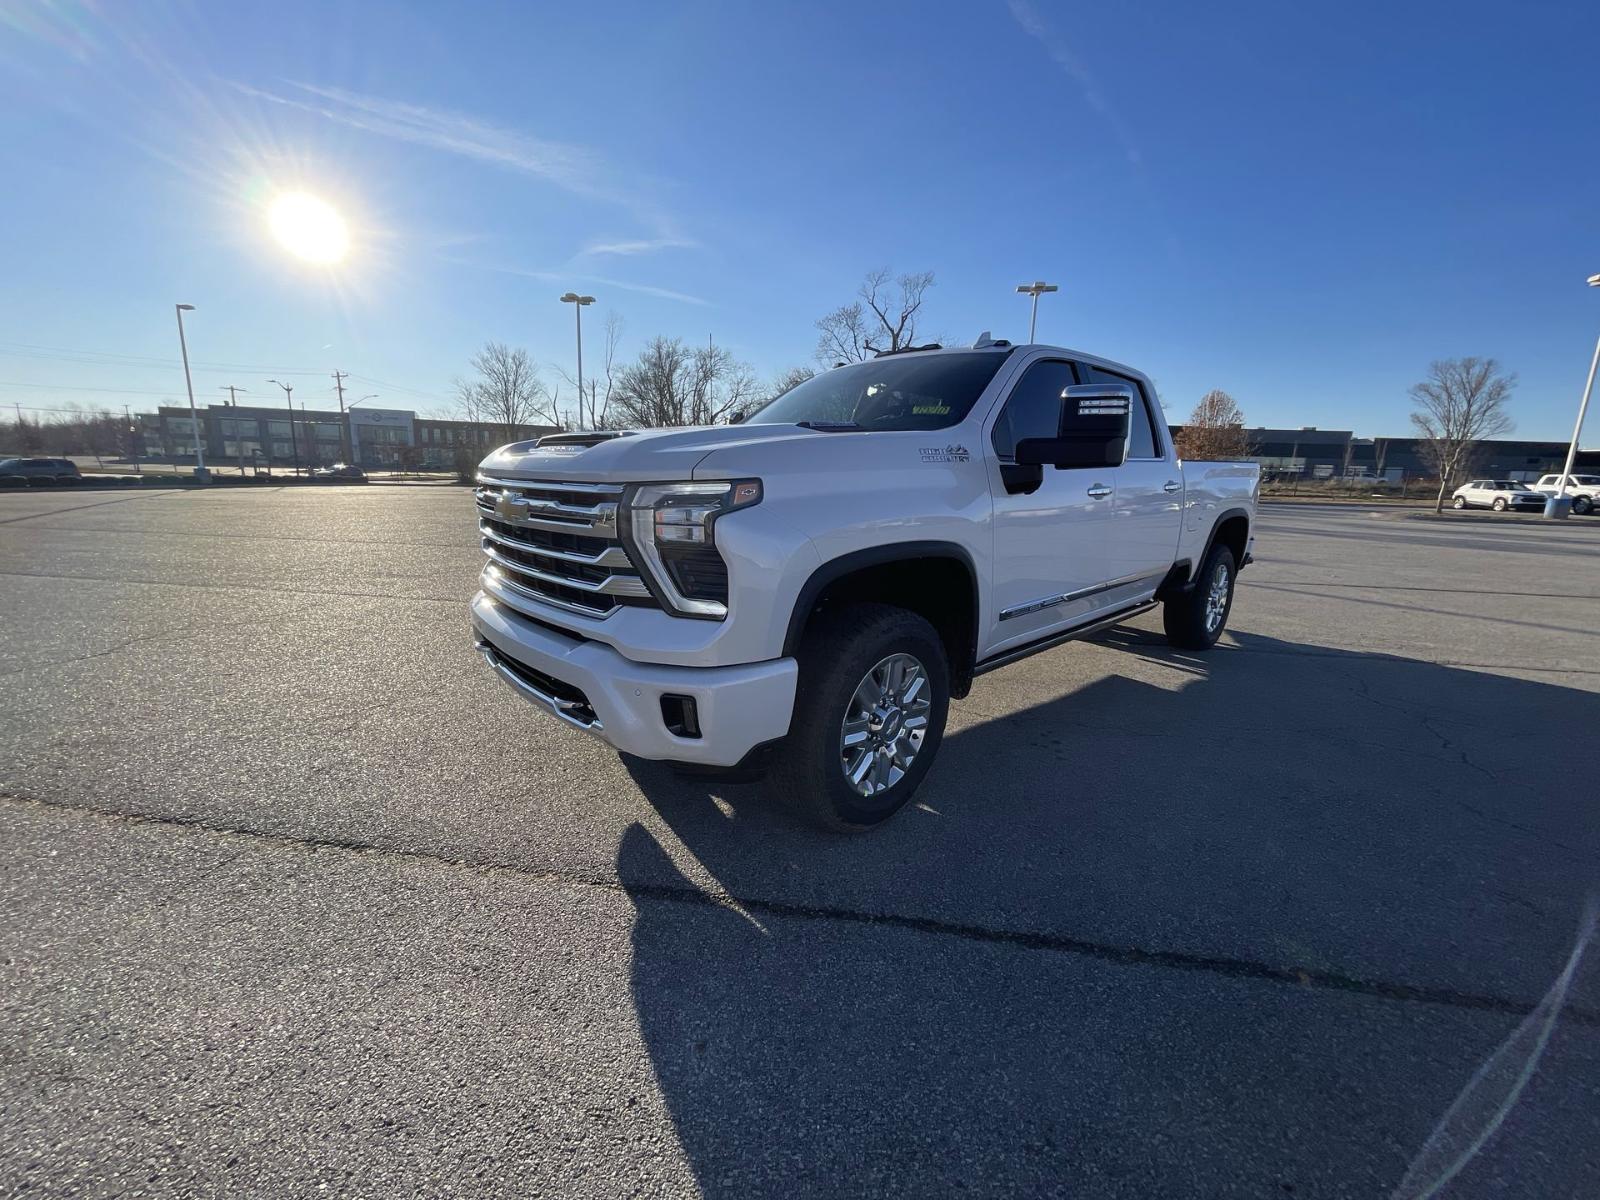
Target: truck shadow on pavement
x=1241, y=922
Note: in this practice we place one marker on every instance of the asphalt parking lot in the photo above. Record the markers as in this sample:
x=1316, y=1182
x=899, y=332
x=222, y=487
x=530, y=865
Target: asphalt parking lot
x=295, y=896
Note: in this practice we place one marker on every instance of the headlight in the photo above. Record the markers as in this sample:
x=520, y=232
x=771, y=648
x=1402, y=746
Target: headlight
x=672, y=535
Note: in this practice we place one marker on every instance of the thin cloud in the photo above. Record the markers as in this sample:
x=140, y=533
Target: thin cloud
x=1062, y=55
x=571, y=167
x=639, y=246
x=567, y=278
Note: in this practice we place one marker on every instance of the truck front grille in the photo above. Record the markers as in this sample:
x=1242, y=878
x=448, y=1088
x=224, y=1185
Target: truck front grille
x=557, y=542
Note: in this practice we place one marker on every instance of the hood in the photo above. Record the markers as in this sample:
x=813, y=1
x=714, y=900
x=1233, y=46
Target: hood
x=661, y=455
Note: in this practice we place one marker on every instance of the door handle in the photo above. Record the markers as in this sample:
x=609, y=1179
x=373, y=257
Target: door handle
x=1171, y=485
x=1099, y=490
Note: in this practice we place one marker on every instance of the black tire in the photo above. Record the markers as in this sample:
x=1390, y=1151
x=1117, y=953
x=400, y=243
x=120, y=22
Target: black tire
x=839, y=651
x=1459, y=502
x=1185, y=615
x=1499, y=504
x=1582, y=505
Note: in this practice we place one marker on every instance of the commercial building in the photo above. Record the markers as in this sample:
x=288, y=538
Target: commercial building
x=267, y=436
x=1313, y=453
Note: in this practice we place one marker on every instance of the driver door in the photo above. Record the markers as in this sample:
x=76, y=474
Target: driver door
x=1052, y=541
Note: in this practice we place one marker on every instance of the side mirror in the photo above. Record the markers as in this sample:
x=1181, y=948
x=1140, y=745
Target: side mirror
x=1093, y=430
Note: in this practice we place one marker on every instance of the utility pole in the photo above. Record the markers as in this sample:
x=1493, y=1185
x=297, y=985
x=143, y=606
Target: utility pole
x=344, y=423
x=133, y=443
x=238, y=442
x=288, y=398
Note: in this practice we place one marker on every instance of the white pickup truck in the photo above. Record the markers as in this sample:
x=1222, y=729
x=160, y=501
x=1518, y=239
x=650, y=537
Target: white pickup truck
x=807, y=591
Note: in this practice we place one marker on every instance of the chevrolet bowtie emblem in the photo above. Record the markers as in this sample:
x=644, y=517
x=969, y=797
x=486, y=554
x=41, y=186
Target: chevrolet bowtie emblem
x=511, y=508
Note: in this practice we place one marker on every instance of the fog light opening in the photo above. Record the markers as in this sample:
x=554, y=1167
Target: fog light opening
x=680, y=715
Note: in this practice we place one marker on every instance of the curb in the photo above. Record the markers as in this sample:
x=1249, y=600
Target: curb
x=1449, y=517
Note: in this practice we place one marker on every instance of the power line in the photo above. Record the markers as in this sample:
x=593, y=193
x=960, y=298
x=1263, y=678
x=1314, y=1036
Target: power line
x=53, y=387
x=118, y=359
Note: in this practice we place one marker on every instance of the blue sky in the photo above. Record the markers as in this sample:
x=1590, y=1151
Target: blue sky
x=1300, y=204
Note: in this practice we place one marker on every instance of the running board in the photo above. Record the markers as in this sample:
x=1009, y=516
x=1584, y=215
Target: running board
x=1067, y=635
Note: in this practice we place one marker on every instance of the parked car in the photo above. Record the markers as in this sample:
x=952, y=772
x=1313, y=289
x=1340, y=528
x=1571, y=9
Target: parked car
x=41, y=472
x=340, y=471
x=1584, y=490
x=813, y=587
x=1498, y=494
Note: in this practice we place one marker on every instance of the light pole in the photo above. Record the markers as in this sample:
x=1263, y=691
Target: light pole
x=233, y=402
x=577, y=303
x=1558, y=506
x=1035, y=289
x=288, y=398
x=200, y=472
x=353, y=451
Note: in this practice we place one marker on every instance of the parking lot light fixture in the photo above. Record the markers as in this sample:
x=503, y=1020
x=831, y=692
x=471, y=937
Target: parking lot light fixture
x=1558, y=506
x=288, y=398
x=1035, y=289
x=577, y=303
x=200, y=472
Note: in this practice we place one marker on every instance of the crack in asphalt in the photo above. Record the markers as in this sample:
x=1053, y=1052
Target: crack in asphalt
x=1133, y=956
x=54, y=512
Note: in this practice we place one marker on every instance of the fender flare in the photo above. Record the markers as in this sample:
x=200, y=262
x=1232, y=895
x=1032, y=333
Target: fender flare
x=835, y=569
x=1181, y=577
x=1224, y=515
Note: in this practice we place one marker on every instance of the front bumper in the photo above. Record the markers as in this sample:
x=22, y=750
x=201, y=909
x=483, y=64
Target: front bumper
x=739, y=707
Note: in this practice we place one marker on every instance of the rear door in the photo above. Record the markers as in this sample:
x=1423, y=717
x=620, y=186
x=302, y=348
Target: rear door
x=1049, y=544
x=1147, y=516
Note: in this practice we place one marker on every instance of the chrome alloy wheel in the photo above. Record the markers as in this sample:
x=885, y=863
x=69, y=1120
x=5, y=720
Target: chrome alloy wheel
x=885, y=724
x=1217, y=597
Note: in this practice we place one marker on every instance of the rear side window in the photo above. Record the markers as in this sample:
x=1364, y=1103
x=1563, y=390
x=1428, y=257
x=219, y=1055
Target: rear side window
x=1033, y=410
x=1142, y=441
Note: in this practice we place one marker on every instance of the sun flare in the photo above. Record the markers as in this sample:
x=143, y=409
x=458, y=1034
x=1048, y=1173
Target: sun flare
x=309, y=228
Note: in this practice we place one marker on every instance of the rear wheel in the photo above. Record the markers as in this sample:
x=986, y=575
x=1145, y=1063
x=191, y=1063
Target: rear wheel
x=1460, y=502
x=1194, y=619
x=1499, y=504
x=1582, y=505
x=869, y=715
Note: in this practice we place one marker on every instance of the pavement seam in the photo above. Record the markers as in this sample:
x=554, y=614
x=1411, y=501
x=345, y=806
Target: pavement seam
x=1234, y=968
x=189, y=586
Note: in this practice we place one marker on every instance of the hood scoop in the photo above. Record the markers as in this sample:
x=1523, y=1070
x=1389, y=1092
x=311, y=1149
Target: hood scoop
x=589, y=437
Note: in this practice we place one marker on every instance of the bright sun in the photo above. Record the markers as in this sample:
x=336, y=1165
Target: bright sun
x=309, y=228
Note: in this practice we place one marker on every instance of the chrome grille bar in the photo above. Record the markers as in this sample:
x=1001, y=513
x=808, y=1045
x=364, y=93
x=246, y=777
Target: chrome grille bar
x=556, y=542
x=611, y=556
x=611, y=585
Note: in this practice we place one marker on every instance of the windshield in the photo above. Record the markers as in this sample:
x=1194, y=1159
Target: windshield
x=914, y=391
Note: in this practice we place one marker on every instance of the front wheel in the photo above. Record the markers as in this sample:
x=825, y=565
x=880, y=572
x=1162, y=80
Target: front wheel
x=1460, y=502
x=1499, y=505
x=869, y=714
x=1194, y=619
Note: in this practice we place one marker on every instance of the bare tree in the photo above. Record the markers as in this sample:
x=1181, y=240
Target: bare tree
x=1460, y=403
x=507, y=391
x=883, y=317
x=792, y=378
x=1215, y=430
x=670, y=384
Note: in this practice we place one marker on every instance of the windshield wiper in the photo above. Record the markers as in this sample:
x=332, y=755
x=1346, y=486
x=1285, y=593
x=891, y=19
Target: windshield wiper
x=827, y=426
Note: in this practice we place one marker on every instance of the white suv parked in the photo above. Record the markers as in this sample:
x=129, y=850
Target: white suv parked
x=1498, y=494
